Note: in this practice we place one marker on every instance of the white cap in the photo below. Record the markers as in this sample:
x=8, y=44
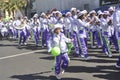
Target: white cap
x=58, y=12
x=93, y=11
x=111, y=9
x=81, y=13
x=99, y=12
x=57, y=26
x=35, y=15
x=106, y=12
x=68, y=13
x=25, y=17
x=85, y=11
x=72, y=9
x=43, y=14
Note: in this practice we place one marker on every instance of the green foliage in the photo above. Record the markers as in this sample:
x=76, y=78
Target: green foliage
x=13, y=4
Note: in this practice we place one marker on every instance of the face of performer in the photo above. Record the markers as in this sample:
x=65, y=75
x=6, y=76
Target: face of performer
x=100, y=16
x=111, y=12
x=69, y=15
x=57, y=30
x=105, y=16
x=83, y=16
x=92, y=14
x=74, y=12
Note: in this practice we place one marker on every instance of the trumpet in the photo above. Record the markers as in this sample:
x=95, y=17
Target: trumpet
x=20, y=27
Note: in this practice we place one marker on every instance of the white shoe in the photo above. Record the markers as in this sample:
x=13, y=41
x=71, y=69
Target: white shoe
x=82, y=56
x=87, y=58
x=77, y=52
x=93, y=46
x=58, y=76
x=99, y=46
x=117, y=66
x=110, y=55
x=49, y=50
x=25, y=44
x=62, y=71
x=106, y=53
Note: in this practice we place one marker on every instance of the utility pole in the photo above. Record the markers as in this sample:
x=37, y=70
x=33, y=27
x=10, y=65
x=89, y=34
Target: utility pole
x=28, y=11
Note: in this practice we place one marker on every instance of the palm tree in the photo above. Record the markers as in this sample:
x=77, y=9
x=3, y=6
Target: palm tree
x=13, y=5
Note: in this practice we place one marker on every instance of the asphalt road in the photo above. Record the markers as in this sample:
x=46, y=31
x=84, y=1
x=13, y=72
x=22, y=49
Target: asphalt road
x=34, y=63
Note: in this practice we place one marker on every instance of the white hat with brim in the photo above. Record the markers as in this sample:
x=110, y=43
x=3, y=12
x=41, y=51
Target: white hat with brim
x=92, y=12
x=106, y=12
x=68, y=13
x=111, y=9
x=81, y=13
x=57, y=26
x=43, y=14
x=72, y=9
x=85, y=11
x=35, y=15
x=100, y=12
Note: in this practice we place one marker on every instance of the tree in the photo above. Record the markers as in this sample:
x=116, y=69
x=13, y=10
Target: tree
x=13, y=5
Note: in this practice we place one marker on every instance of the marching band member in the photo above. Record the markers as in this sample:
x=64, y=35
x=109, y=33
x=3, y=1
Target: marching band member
x=94, y=32
x=116, y=23
x=68, y=26
x=1, y=23
x=113, y=38
x=82, y=24
x=99, y=28
x=11, y=29
x=44, y=29
x=27, y=28
x=106, y=33
x=21, y=34
x=62, y=60
x=74, y=28
x=60, y=20
x=4, y=30
x=36, y=29
x=16, y=23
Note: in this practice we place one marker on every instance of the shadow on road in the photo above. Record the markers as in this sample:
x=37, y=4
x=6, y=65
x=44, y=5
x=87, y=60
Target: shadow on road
x=96, y=60
x=97, y=69
x=38, y=76
x=47, y=58
x=103, y=72
x=109, y=76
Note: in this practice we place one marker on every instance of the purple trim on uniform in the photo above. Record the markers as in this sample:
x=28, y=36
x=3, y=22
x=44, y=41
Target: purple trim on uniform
x=62, y=61
x=97, y=37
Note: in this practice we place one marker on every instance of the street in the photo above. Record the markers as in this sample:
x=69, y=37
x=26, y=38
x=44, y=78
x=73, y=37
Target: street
x=35, y=63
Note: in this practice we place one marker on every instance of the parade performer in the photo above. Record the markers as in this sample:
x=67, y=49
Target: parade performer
x=36, y=30
x=21, y=34
x=94, y=32
x=113, y=38
x=62, y=60
x=73, y=18
x=68, y=28
x=106, y=33
x=44, y=29
x=116, y=23
x=82, y=24
x=16, y=23
x=4, y=31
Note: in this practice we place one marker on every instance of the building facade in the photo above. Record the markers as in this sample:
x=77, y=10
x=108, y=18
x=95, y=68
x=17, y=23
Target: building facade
x=45, y=5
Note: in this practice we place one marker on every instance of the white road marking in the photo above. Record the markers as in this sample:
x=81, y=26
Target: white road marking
x=21, y=54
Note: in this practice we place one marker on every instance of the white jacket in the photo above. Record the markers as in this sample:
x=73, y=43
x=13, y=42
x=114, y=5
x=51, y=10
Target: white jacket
x=81, y=28
x=116, y=20
x=60, y=41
